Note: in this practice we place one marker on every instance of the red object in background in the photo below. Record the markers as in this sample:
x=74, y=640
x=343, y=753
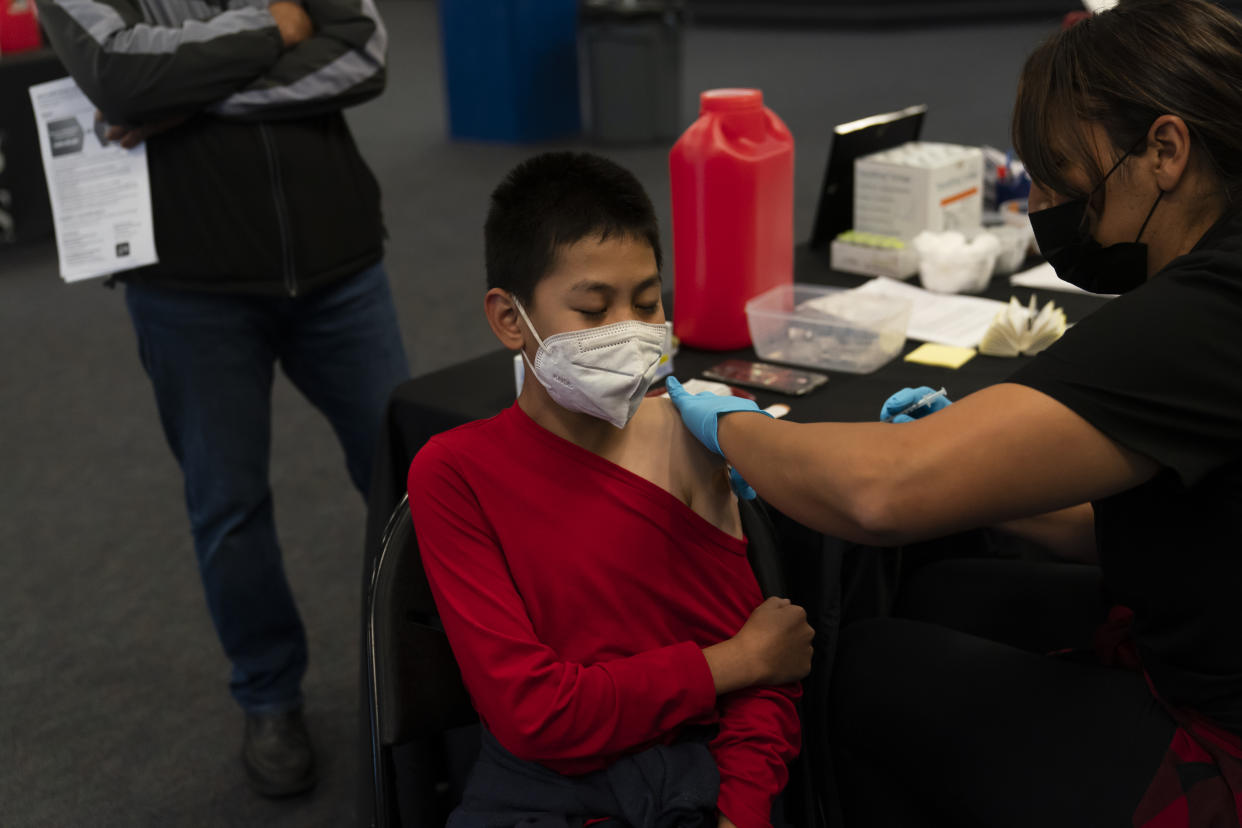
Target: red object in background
x=732, y=183
x=19, y=26
x=1073, y=18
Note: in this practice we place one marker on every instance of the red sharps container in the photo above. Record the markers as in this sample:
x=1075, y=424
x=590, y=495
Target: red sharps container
x=732, y=183
x=19, y=26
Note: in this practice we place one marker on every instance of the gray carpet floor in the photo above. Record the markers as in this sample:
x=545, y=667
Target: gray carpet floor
x=114, y=709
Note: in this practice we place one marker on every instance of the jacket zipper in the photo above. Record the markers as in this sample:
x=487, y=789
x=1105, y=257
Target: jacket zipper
x=282, y=213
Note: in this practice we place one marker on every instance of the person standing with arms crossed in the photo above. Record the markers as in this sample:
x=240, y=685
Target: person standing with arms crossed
x=270, y=238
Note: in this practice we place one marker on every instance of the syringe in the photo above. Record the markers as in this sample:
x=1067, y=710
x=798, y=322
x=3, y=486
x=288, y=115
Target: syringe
x=926, y=399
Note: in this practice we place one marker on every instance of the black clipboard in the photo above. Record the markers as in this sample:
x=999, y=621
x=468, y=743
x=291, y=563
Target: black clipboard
x=851, y=141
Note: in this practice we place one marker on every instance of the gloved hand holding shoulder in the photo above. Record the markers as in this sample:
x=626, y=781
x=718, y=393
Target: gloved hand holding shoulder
x=701, y=411
x=907, y=397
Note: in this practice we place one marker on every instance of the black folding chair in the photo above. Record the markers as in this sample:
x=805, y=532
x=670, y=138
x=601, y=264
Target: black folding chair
x=415, y=693
x=785, y=568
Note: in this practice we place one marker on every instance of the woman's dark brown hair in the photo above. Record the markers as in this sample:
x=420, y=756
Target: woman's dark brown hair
x=1122, y=69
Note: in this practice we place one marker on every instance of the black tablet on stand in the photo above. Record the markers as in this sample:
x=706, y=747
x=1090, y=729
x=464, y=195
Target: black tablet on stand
x=835, y=213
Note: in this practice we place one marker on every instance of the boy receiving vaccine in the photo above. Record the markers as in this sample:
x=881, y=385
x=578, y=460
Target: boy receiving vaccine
x=585, y=551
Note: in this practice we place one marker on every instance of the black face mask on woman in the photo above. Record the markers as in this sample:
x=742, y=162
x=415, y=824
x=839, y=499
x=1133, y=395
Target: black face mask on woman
x=1065, y=240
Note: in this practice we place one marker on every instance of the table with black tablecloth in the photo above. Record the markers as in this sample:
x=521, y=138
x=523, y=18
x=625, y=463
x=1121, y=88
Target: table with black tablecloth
x=481, y=387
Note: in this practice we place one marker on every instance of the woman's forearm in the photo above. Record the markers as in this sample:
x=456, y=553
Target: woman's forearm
x=1003, y=453
x=828, y=476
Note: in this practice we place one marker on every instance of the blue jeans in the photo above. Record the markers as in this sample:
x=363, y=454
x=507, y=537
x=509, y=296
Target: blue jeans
x=211, y=360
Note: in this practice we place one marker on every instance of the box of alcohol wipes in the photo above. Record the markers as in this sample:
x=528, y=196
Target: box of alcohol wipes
x=918, y=186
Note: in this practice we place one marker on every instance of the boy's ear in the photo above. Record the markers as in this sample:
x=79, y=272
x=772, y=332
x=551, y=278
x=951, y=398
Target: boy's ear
x=502, y=315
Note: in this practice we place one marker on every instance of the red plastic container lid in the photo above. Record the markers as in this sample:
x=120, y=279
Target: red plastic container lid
x=729, y=100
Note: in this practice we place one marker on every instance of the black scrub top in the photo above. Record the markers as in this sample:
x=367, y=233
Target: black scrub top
x=1159, y=370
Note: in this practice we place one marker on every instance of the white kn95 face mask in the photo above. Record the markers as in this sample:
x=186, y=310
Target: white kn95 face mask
x=603, y=371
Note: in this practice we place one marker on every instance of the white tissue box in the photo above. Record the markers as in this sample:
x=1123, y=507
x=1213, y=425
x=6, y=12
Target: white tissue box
x=918, y=186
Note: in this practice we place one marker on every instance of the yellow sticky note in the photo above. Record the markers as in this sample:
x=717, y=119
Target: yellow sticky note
x=946, y=356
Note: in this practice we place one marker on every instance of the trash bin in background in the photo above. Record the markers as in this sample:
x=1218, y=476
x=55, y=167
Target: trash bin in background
x=631, y=56
x=511, y=69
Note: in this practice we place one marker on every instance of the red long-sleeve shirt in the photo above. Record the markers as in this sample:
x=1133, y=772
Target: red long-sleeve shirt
x=577, y=597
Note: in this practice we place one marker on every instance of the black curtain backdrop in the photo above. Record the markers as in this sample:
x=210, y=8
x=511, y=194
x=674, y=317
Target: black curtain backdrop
x=24, y=211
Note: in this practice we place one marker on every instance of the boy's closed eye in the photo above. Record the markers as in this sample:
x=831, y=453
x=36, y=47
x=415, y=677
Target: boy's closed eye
x=592, y=313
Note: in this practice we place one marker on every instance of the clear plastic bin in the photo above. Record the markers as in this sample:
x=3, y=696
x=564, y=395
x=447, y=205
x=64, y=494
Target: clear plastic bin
x=831, y=328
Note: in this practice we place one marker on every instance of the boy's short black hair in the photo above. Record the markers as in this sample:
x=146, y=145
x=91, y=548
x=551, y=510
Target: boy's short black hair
x=556, y=199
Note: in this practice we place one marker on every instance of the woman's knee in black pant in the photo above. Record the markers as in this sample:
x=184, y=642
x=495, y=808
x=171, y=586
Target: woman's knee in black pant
x=1038, y=606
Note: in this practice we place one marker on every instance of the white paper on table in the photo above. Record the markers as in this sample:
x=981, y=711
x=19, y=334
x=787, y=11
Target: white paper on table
x=1043, y=277
x=948, y=319
x=100, y=193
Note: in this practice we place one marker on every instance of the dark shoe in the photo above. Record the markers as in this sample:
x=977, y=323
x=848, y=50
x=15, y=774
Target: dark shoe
x=277, y=754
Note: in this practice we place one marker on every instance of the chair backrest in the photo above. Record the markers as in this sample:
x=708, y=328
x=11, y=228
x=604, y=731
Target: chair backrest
x=763, y=548
x=416, y=685
x=802, y=804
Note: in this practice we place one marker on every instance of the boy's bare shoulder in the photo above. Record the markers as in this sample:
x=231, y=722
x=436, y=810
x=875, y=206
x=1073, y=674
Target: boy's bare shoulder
x=661, y=410
x=705, y=471
x=683, y=465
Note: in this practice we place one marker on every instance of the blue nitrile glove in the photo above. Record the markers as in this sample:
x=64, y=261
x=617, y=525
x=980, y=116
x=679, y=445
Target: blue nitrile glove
x=700, y=413
x=909, y=396
x=739, y=485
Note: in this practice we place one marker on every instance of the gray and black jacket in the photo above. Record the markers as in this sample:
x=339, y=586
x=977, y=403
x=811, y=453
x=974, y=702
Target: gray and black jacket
x=262, y=190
